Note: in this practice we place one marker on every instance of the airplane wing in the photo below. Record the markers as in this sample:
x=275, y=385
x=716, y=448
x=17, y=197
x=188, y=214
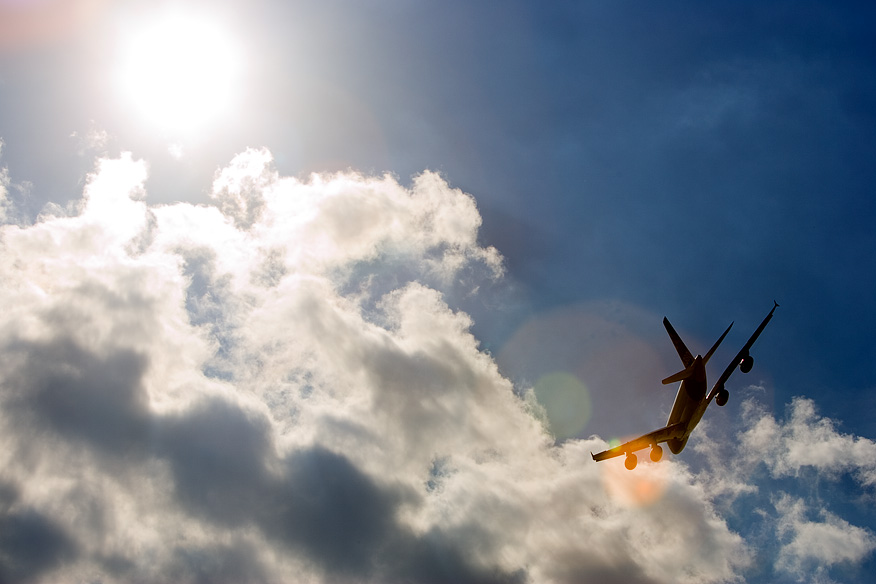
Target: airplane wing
x=656, y=437
x=742, y=354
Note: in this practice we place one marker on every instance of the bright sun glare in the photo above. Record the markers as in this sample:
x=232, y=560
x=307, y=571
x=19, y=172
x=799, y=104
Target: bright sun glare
x=180, y=72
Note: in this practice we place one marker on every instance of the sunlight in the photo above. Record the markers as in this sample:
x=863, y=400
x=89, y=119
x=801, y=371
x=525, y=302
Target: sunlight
x=180, y=72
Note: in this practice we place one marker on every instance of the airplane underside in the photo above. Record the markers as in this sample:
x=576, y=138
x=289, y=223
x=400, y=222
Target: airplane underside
x=676, y=445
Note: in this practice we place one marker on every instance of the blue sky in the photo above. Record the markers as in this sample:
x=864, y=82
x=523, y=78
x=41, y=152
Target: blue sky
x=383, y=238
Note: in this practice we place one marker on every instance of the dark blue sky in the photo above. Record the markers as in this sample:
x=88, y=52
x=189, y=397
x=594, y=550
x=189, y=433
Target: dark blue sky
x=695, y=160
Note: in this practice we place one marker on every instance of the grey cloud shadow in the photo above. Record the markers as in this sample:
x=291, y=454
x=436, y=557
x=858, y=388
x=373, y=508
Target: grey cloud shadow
x=30, y=542
x=225, y=470
x=78, y=394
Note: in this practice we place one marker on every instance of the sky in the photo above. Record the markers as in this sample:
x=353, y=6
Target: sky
x=348, y=291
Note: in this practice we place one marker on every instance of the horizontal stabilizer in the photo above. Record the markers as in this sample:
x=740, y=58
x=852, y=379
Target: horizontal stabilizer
x=680, y=376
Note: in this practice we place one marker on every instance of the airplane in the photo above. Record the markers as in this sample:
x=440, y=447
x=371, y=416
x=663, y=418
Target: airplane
x=691, y=401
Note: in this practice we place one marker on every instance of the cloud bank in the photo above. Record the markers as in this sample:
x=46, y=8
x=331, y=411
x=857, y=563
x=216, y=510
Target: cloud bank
x=276, y=387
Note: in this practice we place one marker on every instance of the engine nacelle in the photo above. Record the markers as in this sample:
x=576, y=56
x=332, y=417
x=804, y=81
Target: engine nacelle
x=656, y=453
x=746, y=364
x=722, y=396
x=631, y=461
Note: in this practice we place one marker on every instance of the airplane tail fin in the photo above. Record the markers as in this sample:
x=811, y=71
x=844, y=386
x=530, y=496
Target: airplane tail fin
x=715, y=346
x=683, y=352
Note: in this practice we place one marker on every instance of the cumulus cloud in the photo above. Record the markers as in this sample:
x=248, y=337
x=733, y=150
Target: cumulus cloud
x=816, y=544
x=93, y=141
x=4, y=192
x=807, y=440
x=790, y=478
x=14, y=197
x=277, y=387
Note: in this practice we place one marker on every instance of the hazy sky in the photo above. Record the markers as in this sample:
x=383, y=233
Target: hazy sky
x=348, y=291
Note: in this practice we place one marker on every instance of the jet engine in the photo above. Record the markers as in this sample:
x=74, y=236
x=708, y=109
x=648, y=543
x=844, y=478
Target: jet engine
x=722, y=396
x=656, y=453
x=631, y=461
x=746, y=364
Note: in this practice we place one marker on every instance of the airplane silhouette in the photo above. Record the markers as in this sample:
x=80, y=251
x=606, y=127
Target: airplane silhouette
x=691, y=401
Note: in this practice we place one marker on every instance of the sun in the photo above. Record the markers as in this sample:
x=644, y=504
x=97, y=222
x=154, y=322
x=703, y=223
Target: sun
x=180, y=72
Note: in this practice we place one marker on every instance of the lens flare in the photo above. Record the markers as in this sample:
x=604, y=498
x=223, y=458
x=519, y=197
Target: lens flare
x=566, y=402
x=641, y=487
x=26, y=23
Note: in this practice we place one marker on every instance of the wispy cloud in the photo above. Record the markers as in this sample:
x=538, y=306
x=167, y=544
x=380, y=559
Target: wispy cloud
x=807, y=440
x=276, y=387
x=14, y=197
x=817, y=543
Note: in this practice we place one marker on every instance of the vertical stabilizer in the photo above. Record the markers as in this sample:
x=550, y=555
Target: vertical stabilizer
x=683, y=352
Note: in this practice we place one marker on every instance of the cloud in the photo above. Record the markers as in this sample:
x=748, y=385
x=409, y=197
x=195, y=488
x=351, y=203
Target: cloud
x=277, y=386
x=14, y=197
x=790, y=479
x=816, y=545
x=93, y=141
x=30, y=543
x=807, y=440
x=4, y=193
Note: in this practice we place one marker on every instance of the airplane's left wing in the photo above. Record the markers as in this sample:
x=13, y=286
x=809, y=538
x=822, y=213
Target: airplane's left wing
x=648, y=440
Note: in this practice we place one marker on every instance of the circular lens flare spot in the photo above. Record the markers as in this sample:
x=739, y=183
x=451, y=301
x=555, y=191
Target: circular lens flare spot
x=566, y=402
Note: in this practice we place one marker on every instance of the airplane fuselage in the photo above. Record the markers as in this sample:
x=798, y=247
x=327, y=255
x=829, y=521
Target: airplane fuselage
x=690, y=405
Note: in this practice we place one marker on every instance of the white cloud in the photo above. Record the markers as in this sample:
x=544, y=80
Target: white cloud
x=278, y=385
x=4, y=193
x=814, y=545
x=806, y=460
x=93, y=141
x=13, y=196
x=807, y=440
x=238, y=187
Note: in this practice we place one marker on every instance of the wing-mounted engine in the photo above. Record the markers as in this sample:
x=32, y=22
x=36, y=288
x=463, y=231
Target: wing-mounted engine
x=746, y=363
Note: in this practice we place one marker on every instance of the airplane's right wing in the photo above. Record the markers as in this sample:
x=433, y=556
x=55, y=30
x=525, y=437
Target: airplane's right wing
x=648, y=440
x=742, y=354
